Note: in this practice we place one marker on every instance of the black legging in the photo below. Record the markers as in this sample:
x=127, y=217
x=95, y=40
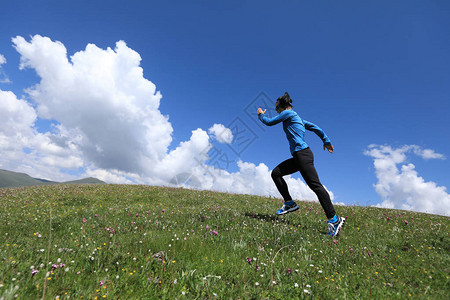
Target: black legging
x=302, y=161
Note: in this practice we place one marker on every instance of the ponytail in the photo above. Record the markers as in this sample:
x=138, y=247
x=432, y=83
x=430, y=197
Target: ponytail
x=285, y=100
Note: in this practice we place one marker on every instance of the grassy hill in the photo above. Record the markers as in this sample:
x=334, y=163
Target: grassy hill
x=15, y=179
x=135, y=242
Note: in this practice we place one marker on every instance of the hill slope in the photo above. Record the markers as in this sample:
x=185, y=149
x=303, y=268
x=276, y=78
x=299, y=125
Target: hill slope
x=9, y=179
x=143, y=242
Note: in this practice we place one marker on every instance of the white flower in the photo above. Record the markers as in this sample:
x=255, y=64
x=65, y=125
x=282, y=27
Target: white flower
x=308, y=286
x=42, y=250
x=306, y=291
x=256, y=283
x=320, y=271
x=296, y=285
x=311, y=265
x=117, y=277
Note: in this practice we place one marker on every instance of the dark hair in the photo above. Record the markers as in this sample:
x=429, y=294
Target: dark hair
x=284, y=101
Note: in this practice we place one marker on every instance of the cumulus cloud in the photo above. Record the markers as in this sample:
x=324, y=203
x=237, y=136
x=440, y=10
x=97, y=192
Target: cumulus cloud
x=3, y=77
x=399, y=184
x=25, y=149
x=221, y=133
x=107, y=123
x=101, y=97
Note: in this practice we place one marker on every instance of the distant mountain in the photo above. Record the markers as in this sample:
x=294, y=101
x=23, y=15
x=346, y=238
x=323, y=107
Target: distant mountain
x=14, y=179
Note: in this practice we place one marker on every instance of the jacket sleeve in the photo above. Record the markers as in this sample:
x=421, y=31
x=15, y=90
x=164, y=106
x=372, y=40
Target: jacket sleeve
x=317, y=130
x=275, y=120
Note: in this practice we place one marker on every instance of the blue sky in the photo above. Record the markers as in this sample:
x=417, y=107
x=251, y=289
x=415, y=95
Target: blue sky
x=366, y=73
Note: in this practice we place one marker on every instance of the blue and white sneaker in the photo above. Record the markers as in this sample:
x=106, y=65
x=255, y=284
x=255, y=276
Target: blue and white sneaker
x=288, y=207
x=334, y=228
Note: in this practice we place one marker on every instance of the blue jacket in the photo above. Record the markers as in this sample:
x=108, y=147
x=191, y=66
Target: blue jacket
x=294, y=127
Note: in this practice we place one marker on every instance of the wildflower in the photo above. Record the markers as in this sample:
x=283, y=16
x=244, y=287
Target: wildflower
x=296, y=285
x=257, y=268
x=54, y=266
x=256, y=283
x=137, y=215
x=215, y=232
x=163, y=210
x=406, y=222
x=34, y=272
x=84, y=221
x=101, y=283
x=249, y=260
x=95, y=216
x=207, y=227
x=306, y=291
x=335, y=242
x=289, y=271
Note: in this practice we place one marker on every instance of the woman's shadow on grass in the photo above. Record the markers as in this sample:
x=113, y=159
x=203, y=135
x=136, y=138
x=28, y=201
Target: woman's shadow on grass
x=282, y=219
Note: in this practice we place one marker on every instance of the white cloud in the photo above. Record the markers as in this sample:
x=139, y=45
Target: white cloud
x=221, y=133
x=109, y=125
x=102, y=97
x=399, y=184
x=3, y=77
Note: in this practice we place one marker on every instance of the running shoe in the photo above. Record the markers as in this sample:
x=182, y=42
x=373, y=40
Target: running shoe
x=288, y=207
x=335, y=228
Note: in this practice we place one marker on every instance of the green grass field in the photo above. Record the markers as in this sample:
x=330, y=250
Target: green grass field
x=144, y=242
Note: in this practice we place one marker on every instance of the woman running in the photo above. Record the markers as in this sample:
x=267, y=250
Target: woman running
x=302, y=160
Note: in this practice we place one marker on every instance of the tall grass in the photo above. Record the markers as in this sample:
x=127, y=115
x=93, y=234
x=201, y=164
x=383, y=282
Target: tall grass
x=134, y=242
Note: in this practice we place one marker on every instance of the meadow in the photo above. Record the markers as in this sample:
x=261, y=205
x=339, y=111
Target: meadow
x=146, y=242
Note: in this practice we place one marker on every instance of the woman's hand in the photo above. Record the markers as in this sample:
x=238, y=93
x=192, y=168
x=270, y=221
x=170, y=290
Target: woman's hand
x=329, y=147
x=260, y=111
